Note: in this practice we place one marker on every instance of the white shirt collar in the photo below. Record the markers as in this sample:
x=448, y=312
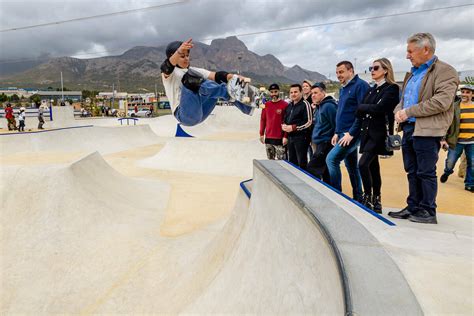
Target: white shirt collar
x=379, y=83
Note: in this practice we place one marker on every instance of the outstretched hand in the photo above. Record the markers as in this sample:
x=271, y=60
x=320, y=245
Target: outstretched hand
x=187, y=45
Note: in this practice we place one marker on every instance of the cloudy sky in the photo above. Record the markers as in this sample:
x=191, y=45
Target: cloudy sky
x=316, y=48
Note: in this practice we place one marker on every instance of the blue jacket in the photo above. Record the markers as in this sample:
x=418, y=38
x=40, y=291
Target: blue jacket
x=349, y=98
x=324, y=121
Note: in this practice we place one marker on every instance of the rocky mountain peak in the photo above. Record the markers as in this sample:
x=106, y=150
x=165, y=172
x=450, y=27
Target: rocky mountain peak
x=229, y=43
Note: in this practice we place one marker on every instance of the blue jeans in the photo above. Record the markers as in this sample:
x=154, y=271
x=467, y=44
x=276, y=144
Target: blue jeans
x=420, y=155
x=453, y=156
x=349, y=155
x=194, y=108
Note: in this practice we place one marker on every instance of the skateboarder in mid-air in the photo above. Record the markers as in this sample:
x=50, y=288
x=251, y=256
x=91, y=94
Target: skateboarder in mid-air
x=193, y=92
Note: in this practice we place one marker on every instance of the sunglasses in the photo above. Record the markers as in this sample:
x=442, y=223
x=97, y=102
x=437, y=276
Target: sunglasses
x=374, y=68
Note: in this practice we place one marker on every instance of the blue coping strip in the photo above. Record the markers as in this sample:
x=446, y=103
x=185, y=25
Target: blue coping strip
x=46, y=131
x=245, y=189
x=378, y=216
x=180, y=132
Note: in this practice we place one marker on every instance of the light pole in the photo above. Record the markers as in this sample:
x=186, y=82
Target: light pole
x=239, y=57
x=62, y=89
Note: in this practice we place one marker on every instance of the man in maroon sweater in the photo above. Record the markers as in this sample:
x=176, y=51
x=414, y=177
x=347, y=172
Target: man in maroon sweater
x=271, y=133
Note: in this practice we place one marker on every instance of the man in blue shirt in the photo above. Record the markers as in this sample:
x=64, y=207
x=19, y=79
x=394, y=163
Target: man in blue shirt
x=424, y=113
x=345, y=139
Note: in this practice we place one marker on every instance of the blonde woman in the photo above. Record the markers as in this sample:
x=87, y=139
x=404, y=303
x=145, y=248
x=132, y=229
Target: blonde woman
x=376, y=116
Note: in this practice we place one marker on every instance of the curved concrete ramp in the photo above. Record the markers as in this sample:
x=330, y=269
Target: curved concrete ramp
x=223, y=119
x=233, y=158
x=69, y=230
x=87, y=138
x=343, y=257
x=63, y=116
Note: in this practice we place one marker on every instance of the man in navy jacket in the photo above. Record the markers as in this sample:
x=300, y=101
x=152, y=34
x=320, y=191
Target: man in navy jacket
x=345, y=139
x=323, y=131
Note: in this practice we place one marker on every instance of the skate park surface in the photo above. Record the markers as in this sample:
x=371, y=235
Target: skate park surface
x=99, y=218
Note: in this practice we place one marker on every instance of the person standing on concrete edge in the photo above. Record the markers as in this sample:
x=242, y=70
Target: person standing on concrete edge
x=193, y=92
x=271, y=120
x=298, y=119
x=323, y=131
x=21, y=120
x=40, y=117
x=10, y=117
x=460, y=138
x=424, y=113
x=345, y=139
x=376, y=116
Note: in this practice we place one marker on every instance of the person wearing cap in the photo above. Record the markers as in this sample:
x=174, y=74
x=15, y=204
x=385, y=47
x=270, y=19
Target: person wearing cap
x=193, y=92
x=10, y=117
x=323, y=130
x=21, y=120
x=460, y=138
x=424, y=113
x=271, y=119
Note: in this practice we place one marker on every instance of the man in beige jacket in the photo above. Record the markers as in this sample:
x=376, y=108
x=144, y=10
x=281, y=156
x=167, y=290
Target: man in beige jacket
x=424, y=113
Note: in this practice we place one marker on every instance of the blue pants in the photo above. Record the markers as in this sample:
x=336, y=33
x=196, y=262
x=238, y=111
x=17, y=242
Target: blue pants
x=420, y=155
x=194, y=108
x=349, y=155
x=453, y=156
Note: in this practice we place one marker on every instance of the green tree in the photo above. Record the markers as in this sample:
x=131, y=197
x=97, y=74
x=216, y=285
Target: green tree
x=469, y=80
x=89, y=94
x=36, y=99
x=3, y=97
x=14, y=98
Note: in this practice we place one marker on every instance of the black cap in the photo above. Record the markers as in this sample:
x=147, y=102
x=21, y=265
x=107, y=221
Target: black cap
x=172, y=47
x=273, y=86
x=319, y=85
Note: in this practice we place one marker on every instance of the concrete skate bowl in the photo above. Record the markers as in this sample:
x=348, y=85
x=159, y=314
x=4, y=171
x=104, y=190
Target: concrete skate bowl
x=224, y=120
x=231, y=158
x=80, y=138
x=82, y=239
x=68, y=229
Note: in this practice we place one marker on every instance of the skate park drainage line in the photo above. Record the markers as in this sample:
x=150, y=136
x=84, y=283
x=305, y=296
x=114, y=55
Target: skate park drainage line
x=47, y=130
x=376, y=215
x=245, y=189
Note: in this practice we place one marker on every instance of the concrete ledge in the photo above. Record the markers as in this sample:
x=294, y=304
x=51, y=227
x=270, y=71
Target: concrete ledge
x=372, y=282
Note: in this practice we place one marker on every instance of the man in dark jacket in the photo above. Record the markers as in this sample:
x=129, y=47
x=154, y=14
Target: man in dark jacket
x=345, y=139
x=323, y=131
x=297, y=120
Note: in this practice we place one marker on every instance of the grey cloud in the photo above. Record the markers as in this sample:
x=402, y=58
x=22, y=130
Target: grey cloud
x=316, y=49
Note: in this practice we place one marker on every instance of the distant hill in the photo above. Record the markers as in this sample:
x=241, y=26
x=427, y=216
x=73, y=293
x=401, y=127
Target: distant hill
x=138, y=69
x=463, y=75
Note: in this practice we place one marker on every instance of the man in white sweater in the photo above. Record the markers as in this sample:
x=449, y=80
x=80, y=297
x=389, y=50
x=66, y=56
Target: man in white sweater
x=193, y=92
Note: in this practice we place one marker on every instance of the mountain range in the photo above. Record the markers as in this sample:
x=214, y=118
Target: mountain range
x=138, y=69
